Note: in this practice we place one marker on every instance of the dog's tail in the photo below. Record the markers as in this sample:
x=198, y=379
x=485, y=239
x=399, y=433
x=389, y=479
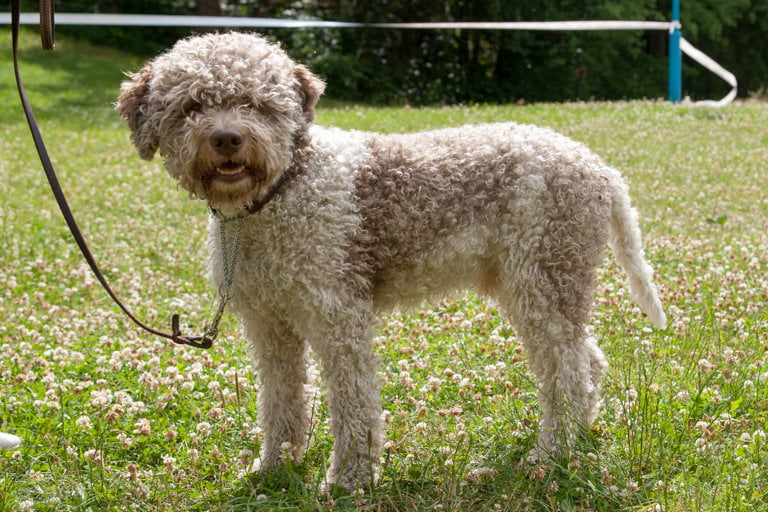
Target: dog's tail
x=628, y=251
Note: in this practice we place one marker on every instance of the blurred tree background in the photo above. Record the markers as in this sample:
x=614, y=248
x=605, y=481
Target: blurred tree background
x=452, y=66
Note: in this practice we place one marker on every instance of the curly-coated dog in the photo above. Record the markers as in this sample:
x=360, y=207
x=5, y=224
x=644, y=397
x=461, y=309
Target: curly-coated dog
x=343, y=225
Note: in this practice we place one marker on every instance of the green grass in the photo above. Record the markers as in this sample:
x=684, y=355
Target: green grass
x=113, y=419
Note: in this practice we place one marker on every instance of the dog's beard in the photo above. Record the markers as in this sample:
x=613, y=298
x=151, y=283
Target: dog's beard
x=232, y=183
x=227, y=182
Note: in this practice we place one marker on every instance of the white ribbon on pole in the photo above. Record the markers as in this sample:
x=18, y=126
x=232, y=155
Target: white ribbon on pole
x=703, y=59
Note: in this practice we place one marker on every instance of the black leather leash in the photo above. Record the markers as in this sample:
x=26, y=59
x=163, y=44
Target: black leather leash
x=48, y=39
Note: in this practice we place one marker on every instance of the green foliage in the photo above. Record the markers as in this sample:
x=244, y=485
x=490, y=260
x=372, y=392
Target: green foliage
x=114, y=420
x=447, y=67
x=733, y=33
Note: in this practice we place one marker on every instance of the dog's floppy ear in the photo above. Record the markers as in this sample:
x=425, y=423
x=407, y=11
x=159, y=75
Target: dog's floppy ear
x=133, y=107
x=310, y=89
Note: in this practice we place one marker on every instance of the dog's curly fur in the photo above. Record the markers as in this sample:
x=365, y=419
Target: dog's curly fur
x=366, y=223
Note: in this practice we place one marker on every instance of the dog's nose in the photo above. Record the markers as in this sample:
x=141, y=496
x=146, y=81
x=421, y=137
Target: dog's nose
x=226, y=142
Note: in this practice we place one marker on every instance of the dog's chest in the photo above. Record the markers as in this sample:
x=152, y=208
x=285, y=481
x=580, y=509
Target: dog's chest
x=294, y=249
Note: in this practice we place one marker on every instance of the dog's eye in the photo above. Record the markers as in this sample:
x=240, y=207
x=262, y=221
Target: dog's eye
x=265, y=109
x=190, y=107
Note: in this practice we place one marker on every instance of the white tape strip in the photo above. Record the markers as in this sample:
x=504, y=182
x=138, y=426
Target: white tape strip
x=533, y=25
x=159, y=20
x=703, y=59
x=155, y=20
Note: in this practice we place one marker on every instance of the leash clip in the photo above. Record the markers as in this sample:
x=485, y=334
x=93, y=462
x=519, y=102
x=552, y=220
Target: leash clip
x=205, y=341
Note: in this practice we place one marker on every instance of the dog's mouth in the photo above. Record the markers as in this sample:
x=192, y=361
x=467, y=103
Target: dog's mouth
x=231, y=172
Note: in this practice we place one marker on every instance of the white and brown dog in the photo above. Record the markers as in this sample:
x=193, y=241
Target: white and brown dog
x=347, y=225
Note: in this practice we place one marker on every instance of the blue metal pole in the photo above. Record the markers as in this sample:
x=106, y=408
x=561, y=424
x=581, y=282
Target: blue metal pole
x=675, y=56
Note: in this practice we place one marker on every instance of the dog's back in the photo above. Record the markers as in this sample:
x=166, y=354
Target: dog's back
x=440, y=209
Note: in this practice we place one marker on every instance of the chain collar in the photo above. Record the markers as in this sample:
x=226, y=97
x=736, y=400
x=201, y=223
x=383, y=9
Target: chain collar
x=229, y=253
x=229, y=261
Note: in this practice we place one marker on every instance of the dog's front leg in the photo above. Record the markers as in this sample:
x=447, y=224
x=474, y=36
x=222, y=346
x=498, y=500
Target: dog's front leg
x=349, y=368
x=284, y=399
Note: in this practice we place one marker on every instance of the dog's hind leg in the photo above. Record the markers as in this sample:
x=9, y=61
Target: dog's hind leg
x=544, y=283
x=284, y=395
x=566, y=361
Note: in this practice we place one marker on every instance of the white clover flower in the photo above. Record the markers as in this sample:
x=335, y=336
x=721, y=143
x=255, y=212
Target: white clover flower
x=169, y=463
x=93, y=455
x=101, y=398
x=203, y=428
x=49, y=379
x=245, y=456
x=123, y=398
x=143, y=427
x=475, y=474
x=124, y=440
x=434, y=384
x=137, y=407
x=705, y=366
x=140, y=491
x=84, y=422
x=702, y=426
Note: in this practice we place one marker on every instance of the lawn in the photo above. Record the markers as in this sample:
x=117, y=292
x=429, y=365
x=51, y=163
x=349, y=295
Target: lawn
x=114, y=419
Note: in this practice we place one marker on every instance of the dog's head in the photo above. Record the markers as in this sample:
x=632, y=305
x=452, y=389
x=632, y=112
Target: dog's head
x=226, y=111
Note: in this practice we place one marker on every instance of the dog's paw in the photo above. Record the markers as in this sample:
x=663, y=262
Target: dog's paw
x=358, y=473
